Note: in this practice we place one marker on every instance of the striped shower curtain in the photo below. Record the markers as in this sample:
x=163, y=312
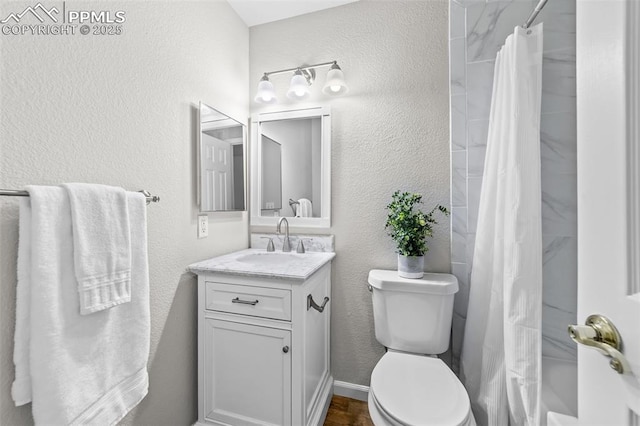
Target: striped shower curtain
x=501, y=352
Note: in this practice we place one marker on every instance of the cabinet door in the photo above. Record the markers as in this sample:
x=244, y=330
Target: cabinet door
x=247, y=372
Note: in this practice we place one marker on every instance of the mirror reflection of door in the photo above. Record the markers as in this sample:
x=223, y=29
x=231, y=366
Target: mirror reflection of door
x=300, y=167
x=271, y=176
x=217, y=172
x=221, y=166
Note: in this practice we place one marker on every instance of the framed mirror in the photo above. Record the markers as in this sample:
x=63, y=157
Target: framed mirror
x=291, y=167
x=221, y=161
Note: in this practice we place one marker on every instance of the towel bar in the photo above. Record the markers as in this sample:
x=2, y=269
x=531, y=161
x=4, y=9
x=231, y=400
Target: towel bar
x=17, y=193
x=294, y=206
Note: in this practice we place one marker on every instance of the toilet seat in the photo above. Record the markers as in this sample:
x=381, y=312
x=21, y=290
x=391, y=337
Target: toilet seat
x=415, y=390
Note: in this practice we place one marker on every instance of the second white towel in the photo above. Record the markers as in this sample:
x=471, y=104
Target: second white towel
x=101, y=245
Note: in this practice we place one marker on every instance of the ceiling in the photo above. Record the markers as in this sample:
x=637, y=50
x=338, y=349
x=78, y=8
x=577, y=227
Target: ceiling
x=256, y=12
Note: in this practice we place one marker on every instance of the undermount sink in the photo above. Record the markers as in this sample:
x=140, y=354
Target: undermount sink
x=269, y=258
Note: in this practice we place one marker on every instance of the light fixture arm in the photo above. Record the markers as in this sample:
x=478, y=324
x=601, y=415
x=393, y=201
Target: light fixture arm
x=303, y=68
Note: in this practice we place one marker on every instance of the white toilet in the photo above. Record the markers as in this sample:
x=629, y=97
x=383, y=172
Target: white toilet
x=410, y=385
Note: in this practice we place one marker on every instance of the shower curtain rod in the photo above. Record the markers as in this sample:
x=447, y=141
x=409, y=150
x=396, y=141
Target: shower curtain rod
x=534, y=13
x=16, y=193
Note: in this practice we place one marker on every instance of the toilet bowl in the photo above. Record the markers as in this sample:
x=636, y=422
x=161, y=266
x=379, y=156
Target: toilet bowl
x=410, y=386
x=414, y=390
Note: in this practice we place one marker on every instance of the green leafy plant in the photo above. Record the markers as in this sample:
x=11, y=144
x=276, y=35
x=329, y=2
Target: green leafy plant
x=408, y=226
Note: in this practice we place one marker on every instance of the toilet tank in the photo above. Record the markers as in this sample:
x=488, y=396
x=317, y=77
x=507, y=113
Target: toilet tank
x=413, y=315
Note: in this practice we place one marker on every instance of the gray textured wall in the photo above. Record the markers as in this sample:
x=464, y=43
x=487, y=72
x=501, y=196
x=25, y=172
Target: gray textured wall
x=121, y=110
x=390, y=132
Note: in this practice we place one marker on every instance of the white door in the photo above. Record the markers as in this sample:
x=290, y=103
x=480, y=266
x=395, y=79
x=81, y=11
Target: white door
x=217, y=174
x=608, y=50
x=247, y=374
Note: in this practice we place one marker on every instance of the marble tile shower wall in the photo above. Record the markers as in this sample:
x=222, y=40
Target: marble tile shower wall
x=478, y=29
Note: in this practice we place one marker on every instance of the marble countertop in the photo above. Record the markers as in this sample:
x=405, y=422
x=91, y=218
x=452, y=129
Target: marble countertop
x=258, y=263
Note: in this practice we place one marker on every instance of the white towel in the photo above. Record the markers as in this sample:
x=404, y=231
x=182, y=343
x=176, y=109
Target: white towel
x=21, y=389
x=101, y=245
x=305, y=208
x=76, y=369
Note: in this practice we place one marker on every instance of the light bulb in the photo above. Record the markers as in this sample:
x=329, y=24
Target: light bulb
x=266, y=92
x=299, y=87
x=335, y=84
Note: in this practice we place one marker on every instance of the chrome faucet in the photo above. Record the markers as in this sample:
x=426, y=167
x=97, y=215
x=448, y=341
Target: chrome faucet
x=286, y=245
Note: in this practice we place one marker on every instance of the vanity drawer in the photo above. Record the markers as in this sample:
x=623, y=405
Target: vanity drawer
x=246, y=300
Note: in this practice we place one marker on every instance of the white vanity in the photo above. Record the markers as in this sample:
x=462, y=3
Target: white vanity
x=263, y=338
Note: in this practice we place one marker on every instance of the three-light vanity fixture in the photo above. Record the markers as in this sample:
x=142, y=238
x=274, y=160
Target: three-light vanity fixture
x=303, y=77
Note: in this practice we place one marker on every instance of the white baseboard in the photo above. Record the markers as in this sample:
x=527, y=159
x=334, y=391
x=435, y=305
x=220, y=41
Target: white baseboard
x=351, y=390
x=321, y=405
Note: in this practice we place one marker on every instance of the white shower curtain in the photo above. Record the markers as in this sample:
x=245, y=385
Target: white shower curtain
x=501, y=351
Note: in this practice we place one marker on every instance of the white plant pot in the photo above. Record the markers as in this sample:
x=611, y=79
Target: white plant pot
x=410, y=266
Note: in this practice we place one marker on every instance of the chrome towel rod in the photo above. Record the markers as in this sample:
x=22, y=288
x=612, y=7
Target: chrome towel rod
x=534, y=13
x=17, y=193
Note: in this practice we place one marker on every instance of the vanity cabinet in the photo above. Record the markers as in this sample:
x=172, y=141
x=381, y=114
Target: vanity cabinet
x=263, y=350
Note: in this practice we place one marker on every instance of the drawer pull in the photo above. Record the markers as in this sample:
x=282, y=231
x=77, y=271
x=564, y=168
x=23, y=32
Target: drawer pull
x=312, y=303
x=245, y=302
x=285, y=349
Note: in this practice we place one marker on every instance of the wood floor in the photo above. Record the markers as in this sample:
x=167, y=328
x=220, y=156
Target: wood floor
x=347, y=412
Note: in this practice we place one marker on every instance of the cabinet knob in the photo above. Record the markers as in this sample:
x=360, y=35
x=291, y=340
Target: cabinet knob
x=285, y=349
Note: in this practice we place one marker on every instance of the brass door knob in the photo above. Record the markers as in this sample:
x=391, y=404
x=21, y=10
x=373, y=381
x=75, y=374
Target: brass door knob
x=600, y=334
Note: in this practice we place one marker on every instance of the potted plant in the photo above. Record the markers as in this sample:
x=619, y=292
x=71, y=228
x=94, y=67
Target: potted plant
x=410, y=227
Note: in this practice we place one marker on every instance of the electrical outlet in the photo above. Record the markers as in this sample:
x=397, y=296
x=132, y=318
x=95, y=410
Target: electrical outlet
x=203, y=226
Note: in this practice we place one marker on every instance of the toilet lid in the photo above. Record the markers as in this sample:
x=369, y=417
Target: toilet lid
x=418, y=390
